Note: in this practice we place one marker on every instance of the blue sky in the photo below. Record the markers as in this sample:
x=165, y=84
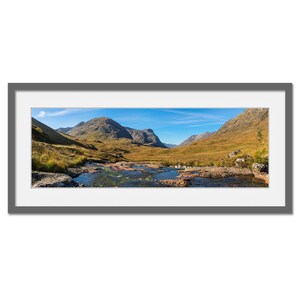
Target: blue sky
x=172, y=125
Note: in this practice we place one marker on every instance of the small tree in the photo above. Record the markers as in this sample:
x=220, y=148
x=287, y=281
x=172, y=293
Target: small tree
x=259, y=136
x=260, y=156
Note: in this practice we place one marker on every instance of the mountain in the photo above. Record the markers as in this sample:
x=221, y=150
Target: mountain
x=99, y=128
x=103, y=128
x=238, y=133
x=44, y=133
x=245, y=122
x=170, y=145
x=66, y=129
x=196, y=137
x=145, y=137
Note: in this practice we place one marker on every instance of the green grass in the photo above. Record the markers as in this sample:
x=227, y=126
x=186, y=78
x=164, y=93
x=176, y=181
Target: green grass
x=56, y=158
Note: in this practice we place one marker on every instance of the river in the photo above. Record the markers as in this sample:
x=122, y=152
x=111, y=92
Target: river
x=143, y=176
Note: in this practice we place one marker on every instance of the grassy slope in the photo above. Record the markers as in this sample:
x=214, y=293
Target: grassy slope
x=43, y=133
x=55, y=152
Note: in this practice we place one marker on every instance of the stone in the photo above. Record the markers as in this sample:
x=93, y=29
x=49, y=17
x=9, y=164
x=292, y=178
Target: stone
x=45, y=179
x=234, y=153
x=262, y=176
x=258, y=168
x=240, y=162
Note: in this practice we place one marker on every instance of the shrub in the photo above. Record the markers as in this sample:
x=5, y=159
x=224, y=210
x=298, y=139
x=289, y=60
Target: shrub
x=261, y=157
x=55, y=166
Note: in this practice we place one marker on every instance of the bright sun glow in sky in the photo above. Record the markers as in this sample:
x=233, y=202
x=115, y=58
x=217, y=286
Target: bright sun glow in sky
x=172, y=125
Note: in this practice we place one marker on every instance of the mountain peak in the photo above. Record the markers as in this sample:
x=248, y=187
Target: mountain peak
x=99, y=128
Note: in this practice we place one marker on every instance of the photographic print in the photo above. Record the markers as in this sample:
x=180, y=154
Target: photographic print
x=150, y=147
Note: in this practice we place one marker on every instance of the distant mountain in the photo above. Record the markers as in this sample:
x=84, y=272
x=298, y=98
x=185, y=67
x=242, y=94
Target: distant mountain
x=99, y=128
x=44, y=133
x=170, y=145
x=66, y=129
x=145, y=137
x=196, y=137
x=102, y=128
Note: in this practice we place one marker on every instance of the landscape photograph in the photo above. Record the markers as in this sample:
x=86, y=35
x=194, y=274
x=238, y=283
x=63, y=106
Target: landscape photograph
x=150, y=147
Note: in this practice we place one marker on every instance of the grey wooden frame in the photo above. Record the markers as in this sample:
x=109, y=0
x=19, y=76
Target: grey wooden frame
x=13, y=88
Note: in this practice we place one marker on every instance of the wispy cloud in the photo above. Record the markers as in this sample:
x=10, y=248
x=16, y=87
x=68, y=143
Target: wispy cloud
x=204, y=124
x=195, y=115
x=62, y=112
x=194, y=119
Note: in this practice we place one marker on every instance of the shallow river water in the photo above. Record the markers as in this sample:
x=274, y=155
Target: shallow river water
x=143, y=176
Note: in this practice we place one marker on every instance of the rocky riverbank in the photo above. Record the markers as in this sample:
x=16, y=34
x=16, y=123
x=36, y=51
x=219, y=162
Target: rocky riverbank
x=188, y=174
x=45, y=179
x=214, y=172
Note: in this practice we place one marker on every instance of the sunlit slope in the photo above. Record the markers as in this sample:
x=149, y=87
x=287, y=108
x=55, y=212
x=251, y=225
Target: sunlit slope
x=238, y=133
x=44, y=133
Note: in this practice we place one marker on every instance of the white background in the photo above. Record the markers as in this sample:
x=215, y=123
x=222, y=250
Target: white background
x=149, y=257
x=274, y=195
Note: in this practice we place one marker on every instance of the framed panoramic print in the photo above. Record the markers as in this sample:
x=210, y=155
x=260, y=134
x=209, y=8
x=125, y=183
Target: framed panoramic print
x=150, y=148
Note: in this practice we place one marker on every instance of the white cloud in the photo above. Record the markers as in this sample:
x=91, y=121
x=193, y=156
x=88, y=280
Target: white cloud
x=41, y=114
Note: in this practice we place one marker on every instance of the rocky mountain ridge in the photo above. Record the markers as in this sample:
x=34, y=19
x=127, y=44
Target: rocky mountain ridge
x=103, y=127
x=145, y=137
x=196, y=137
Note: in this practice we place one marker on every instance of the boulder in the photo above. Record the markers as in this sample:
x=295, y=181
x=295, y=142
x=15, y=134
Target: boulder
x=240, y=162
x=262, y=176
x=259, y=168
x=234, y=153
x=45, y=179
